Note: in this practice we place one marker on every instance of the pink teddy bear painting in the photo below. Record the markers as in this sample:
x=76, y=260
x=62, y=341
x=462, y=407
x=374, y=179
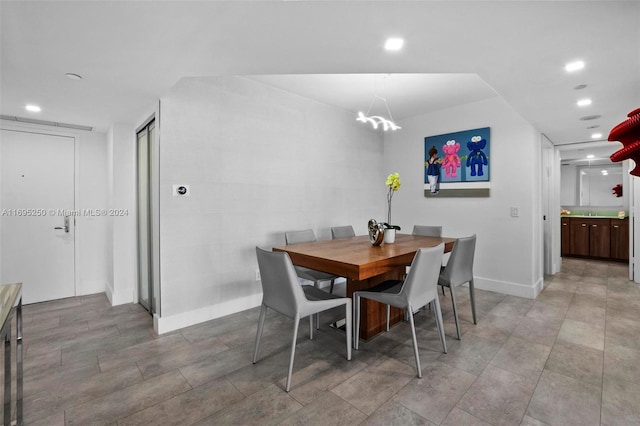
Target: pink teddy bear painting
x=451, y=161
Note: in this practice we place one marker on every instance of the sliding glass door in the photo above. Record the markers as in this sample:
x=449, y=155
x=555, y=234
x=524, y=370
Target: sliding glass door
x=147, y=279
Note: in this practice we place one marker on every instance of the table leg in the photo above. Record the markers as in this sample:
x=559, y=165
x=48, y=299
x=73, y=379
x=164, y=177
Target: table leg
x=373, y=315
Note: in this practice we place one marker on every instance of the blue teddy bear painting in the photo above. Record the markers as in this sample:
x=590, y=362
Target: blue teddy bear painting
x=476, y=158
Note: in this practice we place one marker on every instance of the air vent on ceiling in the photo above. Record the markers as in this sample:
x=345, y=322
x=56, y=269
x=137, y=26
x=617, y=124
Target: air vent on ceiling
x=46, y=123
x=590, y=117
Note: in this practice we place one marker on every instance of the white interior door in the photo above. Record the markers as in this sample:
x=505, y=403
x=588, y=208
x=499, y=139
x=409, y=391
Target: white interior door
x=38, y=218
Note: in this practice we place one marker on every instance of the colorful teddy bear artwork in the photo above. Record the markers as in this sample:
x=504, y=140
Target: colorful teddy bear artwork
x=476, y=158
x=451, y=161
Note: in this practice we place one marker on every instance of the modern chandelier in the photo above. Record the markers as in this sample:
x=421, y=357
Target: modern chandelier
x=377, y=120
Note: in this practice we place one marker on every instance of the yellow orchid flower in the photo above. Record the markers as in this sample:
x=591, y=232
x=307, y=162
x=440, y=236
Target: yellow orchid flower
x=393, y=182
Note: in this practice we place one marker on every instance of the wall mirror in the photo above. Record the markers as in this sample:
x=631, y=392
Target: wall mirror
x=596, y=182
x=588, y=177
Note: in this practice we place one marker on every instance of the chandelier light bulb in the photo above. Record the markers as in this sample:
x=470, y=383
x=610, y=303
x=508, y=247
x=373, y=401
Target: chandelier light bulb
x=376, y=120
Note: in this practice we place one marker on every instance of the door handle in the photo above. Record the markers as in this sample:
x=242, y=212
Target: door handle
x=66, y=225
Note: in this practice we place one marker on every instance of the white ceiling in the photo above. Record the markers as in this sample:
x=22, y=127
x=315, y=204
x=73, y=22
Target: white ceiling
x=577, y=154
x=407, y=95
x=131, y=53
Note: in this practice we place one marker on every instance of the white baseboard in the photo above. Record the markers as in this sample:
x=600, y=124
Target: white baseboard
x=120, y=297
x=166, y=324
x=513, y=289
x=108, y=290
x=170, y=323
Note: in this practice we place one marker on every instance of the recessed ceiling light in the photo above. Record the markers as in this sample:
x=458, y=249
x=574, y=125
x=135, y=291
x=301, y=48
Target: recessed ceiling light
x=590, y=156
x=596, y=135
x=574, y=66
x=394, y=43
x=584, y=102
x=33, y=108
x=73, y=76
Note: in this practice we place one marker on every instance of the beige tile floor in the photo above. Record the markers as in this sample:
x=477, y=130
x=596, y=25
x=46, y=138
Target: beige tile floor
x=570, y=357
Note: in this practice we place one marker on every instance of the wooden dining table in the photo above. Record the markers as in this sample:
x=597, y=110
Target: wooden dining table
x=364, y=266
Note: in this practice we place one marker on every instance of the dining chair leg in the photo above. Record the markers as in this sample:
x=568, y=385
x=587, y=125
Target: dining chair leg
x=388, y=315
x=296, y=324
x=473, y=301
x=455, y=310
x=311, y=326
x=263, y=313
x=348, y=317
x=442, y=287
x=331, y=288
x=415, y=342
x=356, y=317
x=440, y=324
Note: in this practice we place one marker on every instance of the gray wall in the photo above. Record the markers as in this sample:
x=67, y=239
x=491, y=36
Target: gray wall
x=509, y=249
x=259, y=161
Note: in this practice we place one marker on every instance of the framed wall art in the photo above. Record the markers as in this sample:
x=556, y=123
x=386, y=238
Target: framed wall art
x=458, y=164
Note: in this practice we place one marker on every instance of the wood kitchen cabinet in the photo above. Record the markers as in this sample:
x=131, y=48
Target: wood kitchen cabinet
x=579, y=237
x=620, y=239
x=565, y=236
x=600, y=238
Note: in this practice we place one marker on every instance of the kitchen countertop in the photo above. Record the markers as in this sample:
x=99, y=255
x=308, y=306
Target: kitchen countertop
x=592, y=216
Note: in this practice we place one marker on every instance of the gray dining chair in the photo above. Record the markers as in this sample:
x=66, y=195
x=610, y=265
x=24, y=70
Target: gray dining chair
x=307, y=236
x=282, y=293
x=416, y=291
x=430, y=231
x=342, y=232
x=427, y=230
x=459, y=270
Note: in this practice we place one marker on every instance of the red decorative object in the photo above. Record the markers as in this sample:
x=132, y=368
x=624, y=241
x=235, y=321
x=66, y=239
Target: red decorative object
x=628, y=133
x=617, y=190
